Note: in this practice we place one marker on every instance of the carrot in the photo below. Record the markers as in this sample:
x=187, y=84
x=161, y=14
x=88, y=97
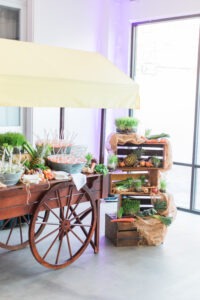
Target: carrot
x=164, y=141
x=148, y=164
x=122, y=164
x=153, y=141
x=126, y=220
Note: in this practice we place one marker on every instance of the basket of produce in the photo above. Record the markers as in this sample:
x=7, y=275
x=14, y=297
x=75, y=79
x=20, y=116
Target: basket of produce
x=65, y=162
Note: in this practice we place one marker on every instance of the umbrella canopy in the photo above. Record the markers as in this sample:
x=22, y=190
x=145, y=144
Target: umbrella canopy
x=33, y=75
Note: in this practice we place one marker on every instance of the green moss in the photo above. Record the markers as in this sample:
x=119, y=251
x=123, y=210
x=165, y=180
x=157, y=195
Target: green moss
x=14, y=139
x=126, y=123
x=130, y=206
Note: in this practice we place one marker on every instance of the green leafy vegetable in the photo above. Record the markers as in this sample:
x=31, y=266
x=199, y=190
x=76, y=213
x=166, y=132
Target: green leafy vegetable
x=158, y=136
x=88, y=157
x=120, y=212
x=101, y=168
x=125, y=184
x=165, y=220
x=147, y=212
x=151, y=212
x=160, y=204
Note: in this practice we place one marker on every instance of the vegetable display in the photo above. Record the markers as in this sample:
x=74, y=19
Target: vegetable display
x=158, y=136
x=130, y=206
x=152, y=212
x=101, y=169
x=160, y=205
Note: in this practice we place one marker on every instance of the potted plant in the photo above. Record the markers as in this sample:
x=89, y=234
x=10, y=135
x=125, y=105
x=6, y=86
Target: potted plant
x=14, y=139
x=10, y=173
x=130, y=206
x=126, y=125
x=163, y=185
x=88, y=158
x=137, y=185
x=112, y=161
x=155, y=161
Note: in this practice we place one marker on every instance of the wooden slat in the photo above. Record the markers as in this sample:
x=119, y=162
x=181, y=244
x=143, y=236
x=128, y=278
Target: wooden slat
x=16, y=201
x=121, y=234
x=149, y=150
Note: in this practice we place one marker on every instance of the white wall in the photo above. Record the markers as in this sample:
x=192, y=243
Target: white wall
x=71, y=24
x=143, y=10
x=95, y=25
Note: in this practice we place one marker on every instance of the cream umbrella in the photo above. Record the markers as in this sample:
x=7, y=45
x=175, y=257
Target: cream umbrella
x=33, y=75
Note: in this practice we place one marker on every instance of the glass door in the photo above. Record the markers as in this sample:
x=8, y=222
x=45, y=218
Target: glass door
x=165, y=64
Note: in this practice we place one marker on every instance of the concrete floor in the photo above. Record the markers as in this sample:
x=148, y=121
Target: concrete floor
x=169, y=271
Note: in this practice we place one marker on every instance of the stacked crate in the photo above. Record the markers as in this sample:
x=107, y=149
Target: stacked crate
x=125, y=234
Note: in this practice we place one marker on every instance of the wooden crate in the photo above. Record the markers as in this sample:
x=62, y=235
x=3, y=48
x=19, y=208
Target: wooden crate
x=149, y=150
x=145, y=201
x=121, y=234
x=144, y=198
x=151, y=174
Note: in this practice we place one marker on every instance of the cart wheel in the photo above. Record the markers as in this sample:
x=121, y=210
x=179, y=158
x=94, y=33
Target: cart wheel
x=14, y=231
x=69, y=229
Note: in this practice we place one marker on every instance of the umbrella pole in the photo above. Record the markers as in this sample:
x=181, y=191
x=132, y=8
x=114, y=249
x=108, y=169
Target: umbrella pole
x=130, y=112
x=102, y=135
x=62, y=123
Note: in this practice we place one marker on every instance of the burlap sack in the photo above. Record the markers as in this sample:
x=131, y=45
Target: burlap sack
x=115, y=139
x=152, y=231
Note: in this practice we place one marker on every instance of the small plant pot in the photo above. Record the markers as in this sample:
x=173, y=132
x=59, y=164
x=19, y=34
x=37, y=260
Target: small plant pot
x=126, y=131
x=138, y=189
x=112, y=167
x=10, y=179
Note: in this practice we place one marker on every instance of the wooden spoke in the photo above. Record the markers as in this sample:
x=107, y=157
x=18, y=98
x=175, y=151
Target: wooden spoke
x=76, y=235
x=59, y=248
x=47, y=235
x=50, y=246
x=69, y=246
x=75, y=219
x=26, y=220
x=76, y=205
x=11, y=230
x=14, y=233
x=69, y=201
x=51, y=210
x=83, y=213
x=82, y=227
x=4, y=224
x=20, y=229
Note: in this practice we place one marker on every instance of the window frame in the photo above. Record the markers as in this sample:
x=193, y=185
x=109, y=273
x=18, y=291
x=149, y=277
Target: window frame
x=24, y=34
x=194, y=164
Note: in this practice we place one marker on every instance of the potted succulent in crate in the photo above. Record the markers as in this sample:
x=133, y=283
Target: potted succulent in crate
x=10, y=173
x=155, y=161
x=137, y=185
x=126, y=125
x=112, y=161
x=163, y=185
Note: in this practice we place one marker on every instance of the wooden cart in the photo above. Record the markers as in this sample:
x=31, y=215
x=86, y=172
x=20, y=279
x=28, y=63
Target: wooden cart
x=56, y=220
